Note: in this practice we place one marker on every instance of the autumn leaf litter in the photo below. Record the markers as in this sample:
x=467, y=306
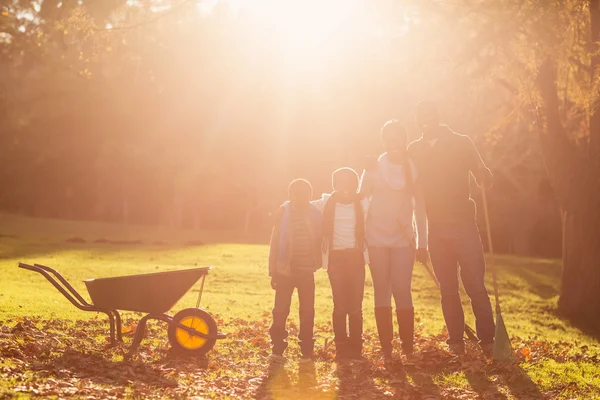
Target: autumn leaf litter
x=73, y=359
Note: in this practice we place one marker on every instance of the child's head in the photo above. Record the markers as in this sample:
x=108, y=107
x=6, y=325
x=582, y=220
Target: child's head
x=394, y=136
x=300, y=191
x=345, y=180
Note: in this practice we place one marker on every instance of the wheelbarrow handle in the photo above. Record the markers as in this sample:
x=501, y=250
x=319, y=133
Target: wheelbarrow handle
x=78, y=301
x=64, y=282
x=44, y=271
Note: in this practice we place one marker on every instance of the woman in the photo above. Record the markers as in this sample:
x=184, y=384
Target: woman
x=391, y=185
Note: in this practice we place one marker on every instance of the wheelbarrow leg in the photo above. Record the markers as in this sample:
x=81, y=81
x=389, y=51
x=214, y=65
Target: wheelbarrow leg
x=139, y=334
x=119, y=325
x=111, y=319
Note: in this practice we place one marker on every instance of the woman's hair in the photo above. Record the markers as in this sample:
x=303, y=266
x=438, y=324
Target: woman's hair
x=393, y=127
x=300, y=186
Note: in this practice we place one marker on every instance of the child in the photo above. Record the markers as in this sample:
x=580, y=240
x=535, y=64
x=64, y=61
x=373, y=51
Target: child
x=295, y=254
x=344, y=257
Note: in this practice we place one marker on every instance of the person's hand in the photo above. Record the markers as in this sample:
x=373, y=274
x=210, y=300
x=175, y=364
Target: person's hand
x=371, y=163
x=273, y=283
x=422, y=256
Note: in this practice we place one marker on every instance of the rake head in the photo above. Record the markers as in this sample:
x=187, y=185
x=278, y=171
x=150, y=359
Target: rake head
x=503, y=350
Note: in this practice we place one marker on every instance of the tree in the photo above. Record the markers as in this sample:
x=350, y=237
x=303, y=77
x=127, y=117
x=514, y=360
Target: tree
x=546, y=53
x=575, y=174
x=116, y=112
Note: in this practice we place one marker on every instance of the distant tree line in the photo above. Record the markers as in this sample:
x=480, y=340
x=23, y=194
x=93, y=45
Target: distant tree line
x=200, y=121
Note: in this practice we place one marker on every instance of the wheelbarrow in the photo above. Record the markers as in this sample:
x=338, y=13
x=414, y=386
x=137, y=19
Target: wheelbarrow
x=191, y=331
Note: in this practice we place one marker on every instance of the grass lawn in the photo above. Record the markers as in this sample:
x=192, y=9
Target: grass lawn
x=49, y=348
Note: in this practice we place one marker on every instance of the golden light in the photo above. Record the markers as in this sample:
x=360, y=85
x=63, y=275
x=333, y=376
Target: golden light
x=307, y=31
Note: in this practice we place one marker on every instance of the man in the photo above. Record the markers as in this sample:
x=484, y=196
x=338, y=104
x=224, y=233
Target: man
x=445, y=160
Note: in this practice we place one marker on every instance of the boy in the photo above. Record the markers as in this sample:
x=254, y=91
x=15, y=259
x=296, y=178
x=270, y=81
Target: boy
x=295, y=254
x=344, y=257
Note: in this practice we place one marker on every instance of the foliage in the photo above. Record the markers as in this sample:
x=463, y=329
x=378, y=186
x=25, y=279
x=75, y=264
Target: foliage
x=49, y=346
x=50, y=358
x=168, y=115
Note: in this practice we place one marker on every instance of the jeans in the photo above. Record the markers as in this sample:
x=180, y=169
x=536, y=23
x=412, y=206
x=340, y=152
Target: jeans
x=305, y=283
x=456, y=245
x=347, y=278
x=391, y=270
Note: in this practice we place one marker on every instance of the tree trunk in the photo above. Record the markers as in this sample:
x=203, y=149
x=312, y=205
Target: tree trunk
x=577, y=187
x=595, y=63
x=580, y=290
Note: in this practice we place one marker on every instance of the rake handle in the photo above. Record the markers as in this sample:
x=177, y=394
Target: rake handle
x=490, y=246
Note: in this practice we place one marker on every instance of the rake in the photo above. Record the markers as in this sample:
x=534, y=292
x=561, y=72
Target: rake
x=502, y=348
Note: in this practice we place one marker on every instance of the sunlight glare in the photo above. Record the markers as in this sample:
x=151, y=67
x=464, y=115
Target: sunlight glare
x=307, y=30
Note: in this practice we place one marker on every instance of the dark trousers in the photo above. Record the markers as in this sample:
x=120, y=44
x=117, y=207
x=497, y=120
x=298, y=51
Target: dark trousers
x=347, y=277
x=305, y=283
x=451, y=246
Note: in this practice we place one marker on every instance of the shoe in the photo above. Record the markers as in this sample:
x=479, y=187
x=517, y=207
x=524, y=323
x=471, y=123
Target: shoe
x=487, y=349
x=458, y=349
x=385, y=330
x=406, y=328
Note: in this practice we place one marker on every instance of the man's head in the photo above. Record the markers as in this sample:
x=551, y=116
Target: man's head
x=427, y=114
x=345, y=180
x=394, y=136
x=300, y=192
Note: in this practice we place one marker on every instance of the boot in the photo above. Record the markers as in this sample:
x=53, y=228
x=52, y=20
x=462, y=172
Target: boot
x=406, y=328
x=385, y=329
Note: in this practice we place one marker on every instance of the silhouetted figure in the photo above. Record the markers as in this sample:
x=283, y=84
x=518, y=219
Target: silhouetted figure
x=391, y=184
x=445, y=161
x=344, y=257
x=295, y=254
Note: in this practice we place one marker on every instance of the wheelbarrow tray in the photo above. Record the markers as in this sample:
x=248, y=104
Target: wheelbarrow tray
x=154, y=293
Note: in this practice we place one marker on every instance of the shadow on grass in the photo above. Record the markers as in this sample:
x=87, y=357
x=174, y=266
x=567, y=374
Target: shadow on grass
x=483, y=386
x=588, y=327
x=358, y=382
x=519, y=383
x=273, y=385
x=96, y=368
x=484, y=379
x=541, y=276
x=22, y=251
x=354, y=381
x=424, y=383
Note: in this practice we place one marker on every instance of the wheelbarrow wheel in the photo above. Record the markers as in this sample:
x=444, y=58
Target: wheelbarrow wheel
x=188, y=343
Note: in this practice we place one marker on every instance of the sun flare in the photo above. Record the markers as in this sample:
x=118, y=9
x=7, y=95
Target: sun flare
x=307, y=30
